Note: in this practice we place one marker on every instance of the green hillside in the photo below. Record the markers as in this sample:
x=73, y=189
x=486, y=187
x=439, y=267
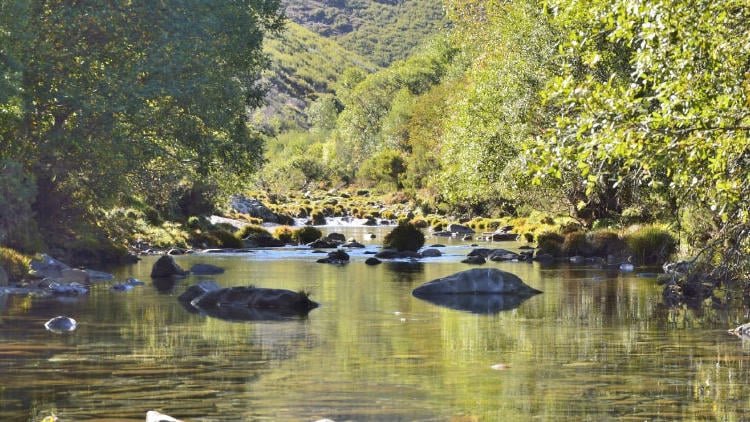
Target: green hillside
x=384, y=31
x=303, y=64
x=324, y=38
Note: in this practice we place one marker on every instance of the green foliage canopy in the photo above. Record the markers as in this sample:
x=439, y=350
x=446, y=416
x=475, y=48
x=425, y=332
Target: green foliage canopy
x=489, y=120
x=653, y=94
x=109, y=100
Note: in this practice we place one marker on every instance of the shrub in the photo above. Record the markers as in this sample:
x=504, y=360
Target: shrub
x=252, y=232
x=284, y=234
x=420, y=223
x=550, y=243
x=570, y=227
x=318, y=218
x=194, y=222
x=575, y=244
x=404, y=237
x=307, y=234
x=14, y=263
x=605, y=243
x=651, y=244
x=153, y=216
x=227, y=239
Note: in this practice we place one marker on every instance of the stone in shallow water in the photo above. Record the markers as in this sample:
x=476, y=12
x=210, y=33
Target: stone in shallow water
x=61, y=324
x=478, y=290
x=154, y=416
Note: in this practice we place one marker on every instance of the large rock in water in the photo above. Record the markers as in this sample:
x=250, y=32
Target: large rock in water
x=167, y=267
x=476, y=281
x=245, y=303
x=478, y=290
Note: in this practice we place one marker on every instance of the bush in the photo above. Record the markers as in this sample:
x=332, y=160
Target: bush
x=651, y=244
x=575, y=244
x=318, y=218
x=284, y=234
x=550, y=243
x=252, y=232
x=14, y=263
x=307, y=234
x=404, y=237
x=227, y=239
x=420, y=223
x=605, y=243
x=194, y=223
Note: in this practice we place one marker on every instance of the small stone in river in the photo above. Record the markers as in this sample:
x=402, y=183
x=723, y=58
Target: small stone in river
x=61, y=324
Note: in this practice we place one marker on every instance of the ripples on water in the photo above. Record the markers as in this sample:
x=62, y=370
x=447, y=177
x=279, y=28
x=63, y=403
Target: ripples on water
x=593, y=346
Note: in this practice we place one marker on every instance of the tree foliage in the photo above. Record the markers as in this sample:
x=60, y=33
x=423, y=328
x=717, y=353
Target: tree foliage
x=101, y=102
x=652, y=100
x=506, y=46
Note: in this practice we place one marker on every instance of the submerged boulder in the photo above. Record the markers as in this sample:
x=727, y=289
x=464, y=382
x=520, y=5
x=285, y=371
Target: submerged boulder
x=476, y=281
x=206, y=269
x=478, y=290
x=245, y=302
x=336, y=257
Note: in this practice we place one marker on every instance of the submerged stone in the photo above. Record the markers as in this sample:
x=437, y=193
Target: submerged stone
x=477, y=290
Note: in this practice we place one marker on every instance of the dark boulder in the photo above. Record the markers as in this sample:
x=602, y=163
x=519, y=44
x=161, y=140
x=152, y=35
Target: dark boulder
x=167, y=267
x=476, y=281
x=474, y=260
x=373, y=261
x=205, y=269
x=246, y=303
x=477, y=290
x=335, y=257
x=430, y=253
x=324, y=244
x=394, y=254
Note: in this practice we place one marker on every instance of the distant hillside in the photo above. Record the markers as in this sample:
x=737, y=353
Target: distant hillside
x=384, y=31
x=325, y=37
x=303, y=64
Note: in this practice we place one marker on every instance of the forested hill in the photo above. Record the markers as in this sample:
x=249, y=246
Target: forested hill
x=303, y=65
x=324, y=38
x=381, y=30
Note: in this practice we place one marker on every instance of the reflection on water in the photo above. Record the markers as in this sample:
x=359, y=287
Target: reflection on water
x=478, y=303
x=594, y=346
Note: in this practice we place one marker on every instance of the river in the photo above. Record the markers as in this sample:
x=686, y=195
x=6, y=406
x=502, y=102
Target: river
x=595, y=346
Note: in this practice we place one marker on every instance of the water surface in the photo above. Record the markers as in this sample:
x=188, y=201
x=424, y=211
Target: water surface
x=594, y=346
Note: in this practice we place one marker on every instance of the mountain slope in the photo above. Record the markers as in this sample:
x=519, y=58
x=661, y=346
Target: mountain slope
x=303, y=64
x=325, y=37
x=381, y=30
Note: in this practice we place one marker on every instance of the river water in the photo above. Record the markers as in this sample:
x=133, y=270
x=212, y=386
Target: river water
x=595, y=346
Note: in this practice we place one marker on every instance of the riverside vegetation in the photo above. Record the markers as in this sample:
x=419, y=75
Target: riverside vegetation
x=581, y=124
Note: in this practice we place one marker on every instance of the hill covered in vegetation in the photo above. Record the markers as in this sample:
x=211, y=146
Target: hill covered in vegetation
x=384, y=31
x=322, y=39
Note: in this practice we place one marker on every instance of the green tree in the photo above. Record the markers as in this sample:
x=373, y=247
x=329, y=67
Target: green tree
x=653, y=96
x=116, y=99
x=384, y=169
x=490, y=118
